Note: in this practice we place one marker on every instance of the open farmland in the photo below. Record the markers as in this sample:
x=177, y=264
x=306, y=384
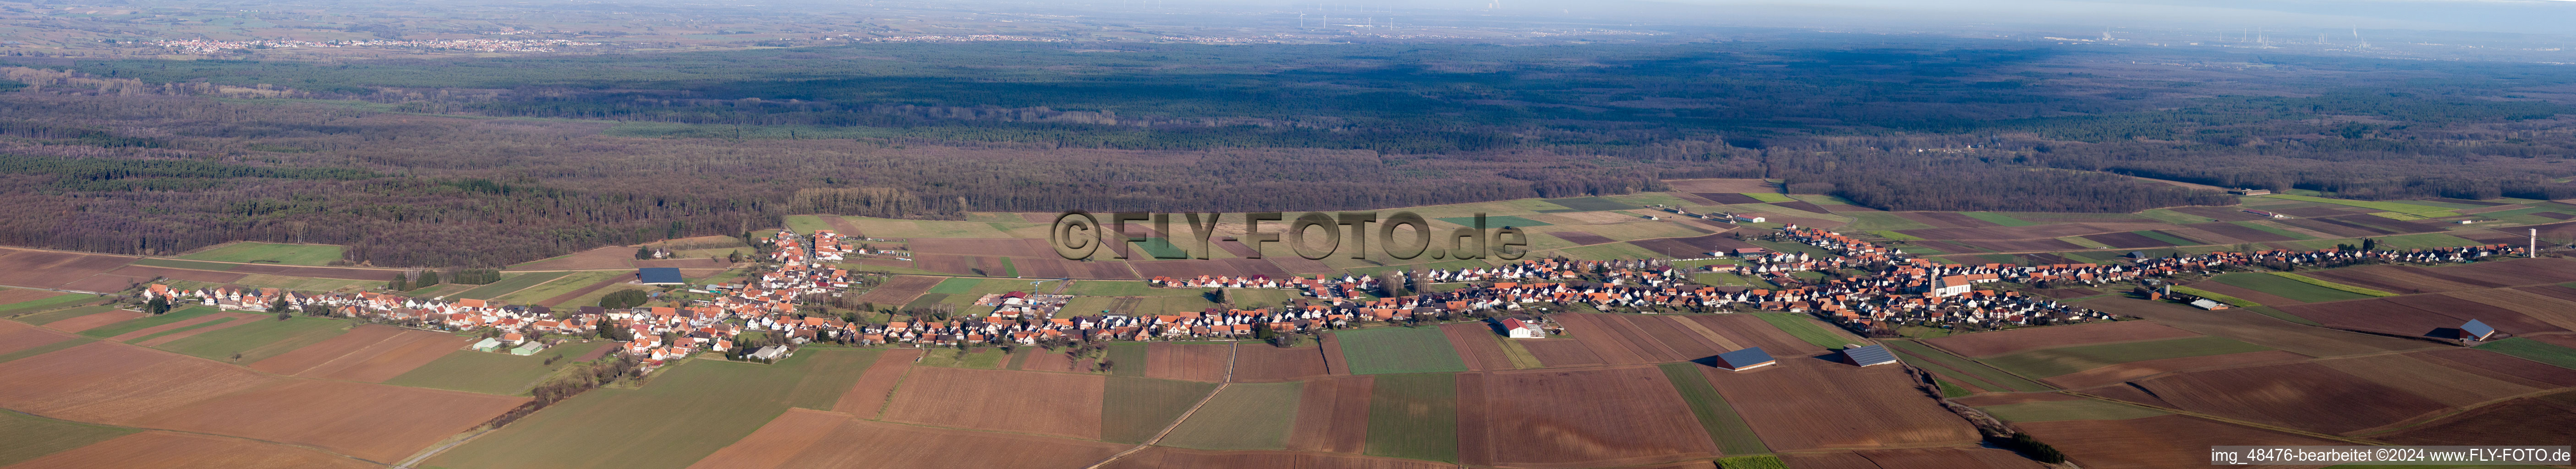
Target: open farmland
x=84, y=318
x=172, y=450
x=956, y=397
x=1177, y=458
x=806, y=438
x=2159, y=442
x=2538, y=420
x=2045, y=363
x=1560, y=418
x=548, y=289
x=1133, y=409
x=1478, y=345
x=49, y=300
x=1399, y=350
x=273, y=253
x=369, y=353
x=1190, y=362
x=2305, y=396
x=2069, y=409
x=1879, y=407
x=1723, y=425
x=489, y=372
x=28, y=436
x=2257, y=329
x=1241, y=417
x=1414, y=416
x=51, y=269
x=511, y=283
x=1264, y=364
x=2286, y=287
x=1333, y=415
x=1988, y=344
x=258, y=340
x=685, y=413
x=144, y=325
x=2131, y=370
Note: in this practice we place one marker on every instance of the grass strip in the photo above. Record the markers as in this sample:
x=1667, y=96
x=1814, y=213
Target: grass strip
x=1980, y=370
x=1732, y=434
x=2349, y=288
x=2533, y=350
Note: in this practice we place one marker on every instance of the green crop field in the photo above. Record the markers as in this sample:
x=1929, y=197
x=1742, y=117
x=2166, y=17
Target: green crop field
x=1807, y=329
x=175, y=330
x=2533, y=350
x=2286, y=287
x=807, y=224
x=259, y=339
x=828, y=373
x=1590, y=204
x=2399, y=207
x=2170, y=216
x=1732, y=435
x=2159, y=236
x=1759, y=461
x=1414, y=416
x=180, y=264
x=1961, y=369
x=683, y=414
x=2214, y=296
x=1243, y=416
x=559, y=286
x=987, y=359
x=509, y=284
x=24, y=437
x=2079, y=409
x=1998, y=218
x=2278, y=314
x=1113, y=288
x=491, y=372
x=294, y=254
x=2272, y=229
x=1495, y=221
x=2422, y=240
x=1127, y=358
x=1399, y=350
x=50, y=317
x=46, y=348
x=1133, y=409
x=41, y=304
x=141, y=323
x=2045, y=363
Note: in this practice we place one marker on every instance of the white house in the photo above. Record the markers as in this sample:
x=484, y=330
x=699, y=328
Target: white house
x=1518, y=329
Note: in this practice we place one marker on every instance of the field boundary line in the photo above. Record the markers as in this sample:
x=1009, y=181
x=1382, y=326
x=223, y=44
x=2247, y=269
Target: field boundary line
x=1167, y=429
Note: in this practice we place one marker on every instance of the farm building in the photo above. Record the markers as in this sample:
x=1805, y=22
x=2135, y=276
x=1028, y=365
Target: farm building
x=772, y=352
x=2475, y=330
x=658, y=276
x=2266, y=214
x=1867, y=355
x=1516, y=328
x=1746, y=359
x=530, y=348
x=488, y=345
x=2205, y=303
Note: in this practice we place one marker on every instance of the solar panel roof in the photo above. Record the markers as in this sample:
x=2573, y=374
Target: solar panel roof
x=1744, y=358
x=1868, y=355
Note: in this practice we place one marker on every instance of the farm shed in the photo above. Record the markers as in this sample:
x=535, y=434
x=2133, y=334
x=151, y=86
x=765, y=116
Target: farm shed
x=1746, y=359
x=659, y=276
x=2205, y=303
x=1518, y=329
x=1867, y=355
x=2475, y=330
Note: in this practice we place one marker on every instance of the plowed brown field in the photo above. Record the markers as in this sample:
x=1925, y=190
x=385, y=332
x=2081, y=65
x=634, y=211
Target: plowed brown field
x=1561, y=352
x=15, y=336
x=2442, y=382
x=1987, y=344
x=2543, y=420
x=2393, y=279
x=1476, y=345
x=1265, y=364
x=1589, y=418
x=1160, y=457
x=112, y=383
x=157, y=329
x=1042, y=403
x=2257, y=329
x=92, y=321
x=238, y=319
x=169, y=450
x=369, y=421
x=2115, y=374
x=376, y=357
x=2503, y=367
x=2159, y=442
x=49, y=269
x=867, y=397
x=1332, y=415
x=813, y=439
x=1615, y=340
x=1914, y=458
x=900, y=289
x=2305, y=396
x=1873, y=407
x=2539, y=307
x=1189, y=362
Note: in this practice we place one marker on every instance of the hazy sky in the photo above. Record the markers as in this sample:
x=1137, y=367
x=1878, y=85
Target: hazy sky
x=2515, y=16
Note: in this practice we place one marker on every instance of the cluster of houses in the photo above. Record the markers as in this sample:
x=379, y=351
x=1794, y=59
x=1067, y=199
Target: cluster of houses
x=1320, y=287
x=1719, y=216
x=822, y=246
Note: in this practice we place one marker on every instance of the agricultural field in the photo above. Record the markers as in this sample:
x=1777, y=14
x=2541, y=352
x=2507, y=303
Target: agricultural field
x=509, y=283
x=1715, y=416
x=2046, y=363
x=2292, y=288
x=1241, y=417
x=148, y=322
x=47, y=310
x=466, y=370
x=963, y=398
x=2533, y=350
x=1414, y=416
x=550, y=288
x=1879, y=407
x=1808, y=329
x=29, y=437
x=1595, y=417
x=1389, y=350
x=2070, y=409
x=1133, y=409
x=684, y=414
x=272, y=253
x=253, y=341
